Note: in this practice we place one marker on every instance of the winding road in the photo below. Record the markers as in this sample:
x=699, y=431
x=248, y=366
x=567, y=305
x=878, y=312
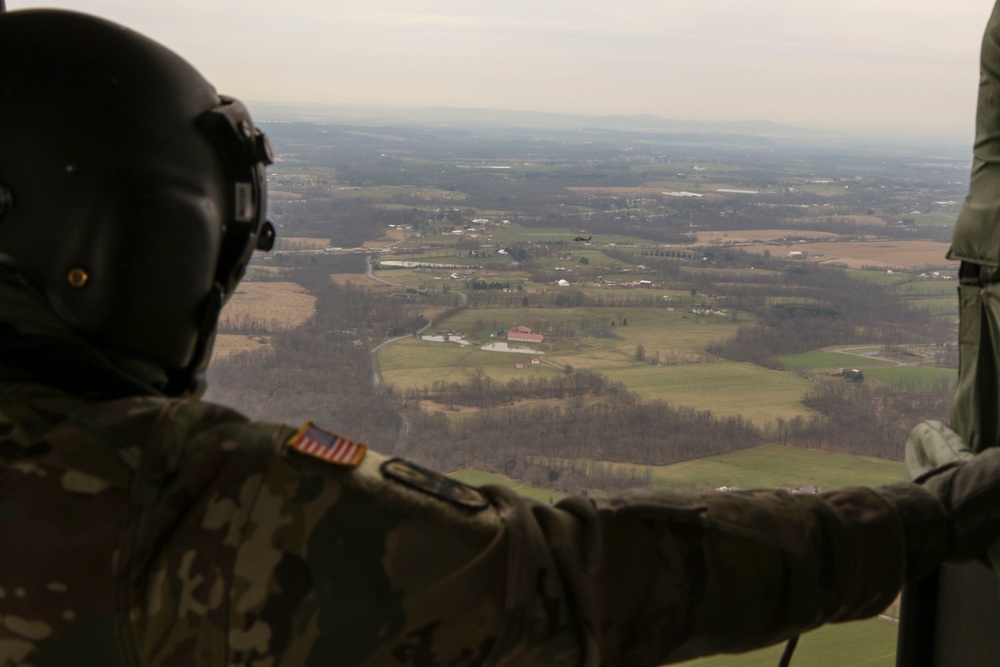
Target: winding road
x=404, y=432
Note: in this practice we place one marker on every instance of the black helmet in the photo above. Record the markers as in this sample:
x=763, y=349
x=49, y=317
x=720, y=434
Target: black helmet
x=131, y=193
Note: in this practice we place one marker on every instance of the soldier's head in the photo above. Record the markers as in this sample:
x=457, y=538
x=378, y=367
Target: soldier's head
x=131, y=194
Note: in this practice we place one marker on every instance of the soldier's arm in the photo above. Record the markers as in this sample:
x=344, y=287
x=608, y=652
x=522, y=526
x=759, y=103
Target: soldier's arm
x=407, y=574
x=237, y=547
x=662, y=577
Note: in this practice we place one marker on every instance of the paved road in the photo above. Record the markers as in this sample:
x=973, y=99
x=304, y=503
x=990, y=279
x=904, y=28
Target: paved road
x=404, y=432
x=872, y=356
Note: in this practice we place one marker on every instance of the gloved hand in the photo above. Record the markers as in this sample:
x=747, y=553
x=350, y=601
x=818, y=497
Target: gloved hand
x=932, y=445
x=969, y=490
x=953, y=511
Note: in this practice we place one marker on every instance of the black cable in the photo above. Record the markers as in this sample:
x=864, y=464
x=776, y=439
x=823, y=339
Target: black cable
x=786, y=657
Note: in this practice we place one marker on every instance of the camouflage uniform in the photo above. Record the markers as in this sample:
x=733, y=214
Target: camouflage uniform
x=153, y=531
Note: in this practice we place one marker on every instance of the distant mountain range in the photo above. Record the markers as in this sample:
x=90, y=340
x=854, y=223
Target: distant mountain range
x=525, y=119
x=750, y=132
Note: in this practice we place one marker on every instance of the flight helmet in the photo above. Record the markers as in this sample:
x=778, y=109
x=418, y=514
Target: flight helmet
x=131, y=194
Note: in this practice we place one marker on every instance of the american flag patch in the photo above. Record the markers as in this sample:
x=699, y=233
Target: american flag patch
x=327, y=446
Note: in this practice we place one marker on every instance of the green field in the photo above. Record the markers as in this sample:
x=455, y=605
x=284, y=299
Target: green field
x=944, y=305
x=772, y=466
x=918, y=377
x=907, y=377
x=822, y=359
x=413, y=362
x=725, y=388
x=675, y=339
x=870, y=643
x=940, y=219
x=927, y=287
x=480, y=478
x=776, y=465
x=765, y=467
x=879, y=277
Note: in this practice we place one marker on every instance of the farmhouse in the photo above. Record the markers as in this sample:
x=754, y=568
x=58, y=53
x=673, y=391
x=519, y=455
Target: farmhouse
x=522, y=334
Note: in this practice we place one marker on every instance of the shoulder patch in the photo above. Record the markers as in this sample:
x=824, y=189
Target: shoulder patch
x=435, y=484
x=329, y=447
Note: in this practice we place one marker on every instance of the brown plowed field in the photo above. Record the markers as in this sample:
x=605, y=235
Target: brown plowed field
x=859, y=254
x=852, y=254
x=259, y=308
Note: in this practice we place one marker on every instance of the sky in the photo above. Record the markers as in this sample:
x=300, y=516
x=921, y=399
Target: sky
x=871, y=66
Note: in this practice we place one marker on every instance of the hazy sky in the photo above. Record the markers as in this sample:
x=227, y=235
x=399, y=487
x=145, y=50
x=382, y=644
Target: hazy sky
x=893, y=65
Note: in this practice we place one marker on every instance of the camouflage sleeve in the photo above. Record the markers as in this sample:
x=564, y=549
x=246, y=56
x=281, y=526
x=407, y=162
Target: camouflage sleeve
x=659, y=577
x=242, y=551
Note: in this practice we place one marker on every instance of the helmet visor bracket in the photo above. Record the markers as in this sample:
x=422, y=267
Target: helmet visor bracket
x=245, y=152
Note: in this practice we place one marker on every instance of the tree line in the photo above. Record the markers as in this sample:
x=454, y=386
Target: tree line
x=611, y=429
x=479, y=390
x=865, y=419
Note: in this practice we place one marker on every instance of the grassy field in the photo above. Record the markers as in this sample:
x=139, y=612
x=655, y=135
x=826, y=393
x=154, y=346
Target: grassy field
x=413, y=362
x=927, y=287
x=882, y=370
x=870, y=643
x=912, y=376
x=608, y=340
x=725, y=388
x=945, y=305
x=657, y=329
x=765, y=467
x=940, y=219
x=821, y=359
x=776, y=465
x=769, y=466
x=772, y=466
x=879, y=277
x=480, y=478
